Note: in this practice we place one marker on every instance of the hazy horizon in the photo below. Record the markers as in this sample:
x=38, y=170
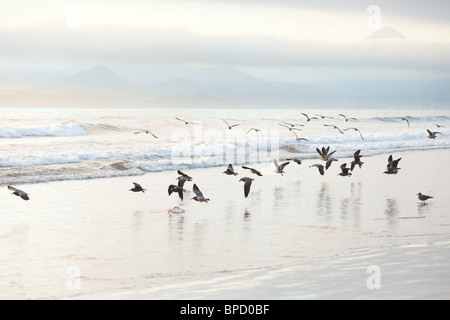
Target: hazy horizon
x=217, y=53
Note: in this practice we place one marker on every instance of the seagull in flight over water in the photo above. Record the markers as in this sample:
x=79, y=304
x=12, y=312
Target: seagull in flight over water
x=346, y=119
x=186, y=122
x=229, y=127
x=356, y=129
x=146, y=131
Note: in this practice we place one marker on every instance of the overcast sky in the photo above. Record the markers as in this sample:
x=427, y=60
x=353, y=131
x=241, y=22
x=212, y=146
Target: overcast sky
x=269, y=38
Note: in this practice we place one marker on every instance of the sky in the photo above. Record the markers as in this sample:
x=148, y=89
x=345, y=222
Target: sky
x=307, y=42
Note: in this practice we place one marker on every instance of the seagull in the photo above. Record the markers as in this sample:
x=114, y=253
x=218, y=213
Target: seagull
x=296, y=160
x=254, y=129
x=330, y=125
x=324, y=153
x=229, y=127
x=329, y=162
x=230, y=170
x=19, y=193
x=146, y=131
x=247, y=184
x=184, y=175
x=346, y=119
x=178, y=189
x=392, y=166
x=423, y=197
x=308, y=118
x=290, y=128
x=320, y=167
x=356, y=129
x=432, y=135
x=254, y=171
x=182, y=180
x=199, y=195
x=279, y=167
x=404, y=119
x=357, y=160
x=323, y=117
x=297, y=138
x=137, y=188
x=438, y=125
x=186, y=122
x=293, y=124
x=345, y=171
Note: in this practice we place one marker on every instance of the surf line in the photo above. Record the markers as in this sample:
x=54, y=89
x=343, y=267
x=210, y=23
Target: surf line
x=197, y=310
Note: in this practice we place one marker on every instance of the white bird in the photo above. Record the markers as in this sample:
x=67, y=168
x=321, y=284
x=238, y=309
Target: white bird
x=146, y=131
x=279, y=167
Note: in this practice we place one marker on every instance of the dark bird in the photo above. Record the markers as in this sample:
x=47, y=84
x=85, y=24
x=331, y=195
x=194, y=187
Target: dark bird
x=254, y=129
x=185, y=122
x=423, y=197
x=345, y=171
x=184, y=175
x=297, y=138
x=19, y=193
x=280, y=167
x=404, y=119
x=325, y=153
x=289, y=127
x=230, y=170
x=229, y=127
x=137, y=188
x=329, y=162
x=178, y=189
x=438, y=125
x=254, y=171
x=431, y=134
x=247, y=184
x=296, y=160
x=293, y=124
x=330, y=125
x=320, y=167
x=357, y=160
x=346, y=119
x=392, y=166
x=323, y=117
x=199, y=195
x=146, y=131
x=308, y=119
x=356, y=129
x=182, y=180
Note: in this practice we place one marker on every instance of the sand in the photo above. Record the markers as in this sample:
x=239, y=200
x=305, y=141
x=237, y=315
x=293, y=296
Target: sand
x=297, y=236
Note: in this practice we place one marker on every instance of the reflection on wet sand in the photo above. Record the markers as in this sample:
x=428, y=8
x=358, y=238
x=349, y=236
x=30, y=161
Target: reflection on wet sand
x=324, y=201
x=391, y=208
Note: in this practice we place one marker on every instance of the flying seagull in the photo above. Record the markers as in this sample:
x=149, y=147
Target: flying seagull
x=254, y=129
x=308, y=119
x=329, y=162
x=345, y=171
x=184, y=175
x=323, y=117
x=346, y=119
x=279, y=167
x=186, y=122
x=297, y=138
x=146, y=131
x=230, y=170
x=247, y=184
x=324, y=153
x=289, y=127
x=19, y=193
x=431, y=134
x=357, y=160
x=178, y=189
x=423, y=197
x=320, y=167
x=404, y=119
x=392, y=166
x=296, y=160
x=356, y=129
x=254, y=171
x=199, y=195
x=330, y=125
x=137, y=188
x=293, y=124
x=438, y=125
x=229, y=127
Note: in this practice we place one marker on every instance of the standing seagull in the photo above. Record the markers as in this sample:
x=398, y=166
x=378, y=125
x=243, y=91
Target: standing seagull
x=19, y=193
x=137, y=188
x=308, y=119
x=330, y=125
x=146, y=131
x=229, y=127
x=199, y=195
x=356, y=129
x=432, y=135
x=280, y=167
x=345, y=171
x=247, y=184
x=186, y=122
x=346, y=119
x=423, y=197
x=404, y=119
x=230, y=171
x=254, y=171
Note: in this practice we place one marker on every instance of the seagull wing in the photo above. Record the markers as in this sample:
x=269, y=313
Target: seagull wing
x=197, y=191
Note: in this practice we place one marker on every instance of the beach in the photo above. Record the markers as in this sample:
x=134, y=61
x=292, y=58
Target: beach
x=299, y=235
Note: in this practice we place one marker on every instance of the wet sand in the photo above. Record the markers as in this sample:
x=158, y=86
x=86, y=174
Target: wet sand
x=296, y=236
